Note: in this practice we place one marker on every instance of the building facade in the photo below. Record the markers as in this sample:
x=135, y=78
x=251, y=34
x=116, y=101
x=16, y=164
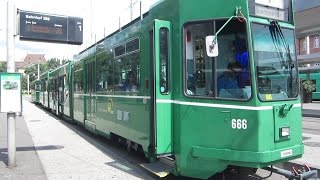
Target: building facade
x=307, y=19
x=29, y=60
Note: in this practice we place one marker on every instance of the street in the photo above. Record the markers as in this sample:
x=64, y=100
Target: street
x=311, y=125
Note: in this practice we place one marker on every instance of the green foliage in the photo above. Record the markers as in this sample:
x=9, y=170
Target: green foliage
x=49, y=65
x=52, y=63
x=24, y=82
x=308, y=86
x=32, y=70
x=3, y=66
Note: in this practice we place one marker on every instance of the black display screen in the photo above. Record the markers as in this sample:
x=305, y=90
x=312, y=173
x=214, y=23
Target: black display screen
x=50, y=28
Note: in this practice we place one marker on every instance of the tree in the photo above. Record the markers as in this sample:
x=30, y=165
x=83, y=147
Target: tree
x=65, y=61
x=53, y=63
x=3, y=66
x=24, y=82
x=32, y=70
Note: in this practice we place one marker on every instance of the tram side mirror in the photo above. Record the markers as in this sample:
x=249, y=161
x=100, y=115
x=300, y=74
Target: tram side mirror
x=212, y=46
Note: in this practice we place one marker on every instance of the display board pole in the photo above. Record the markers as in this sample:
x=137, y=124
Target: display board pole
x=10, y=37
x=11, y=129
x=11, y=133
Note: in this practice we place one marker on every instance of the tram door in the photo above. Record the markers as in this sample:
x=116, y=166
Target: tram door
x=55, y=96
x=90, y=96
x=162, y=92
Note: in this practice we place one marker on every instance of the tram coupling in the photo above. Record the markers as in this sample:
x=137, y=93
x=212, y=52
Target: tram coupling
x=303, y=173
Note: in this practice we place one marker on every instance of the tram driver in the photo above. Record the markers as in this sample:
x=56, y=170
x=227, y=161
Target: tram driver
x=227, y=84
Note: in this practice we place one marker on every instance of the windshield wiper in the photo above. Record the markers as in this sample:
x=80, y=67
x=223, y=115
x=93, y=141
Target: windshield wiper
x=276, y=32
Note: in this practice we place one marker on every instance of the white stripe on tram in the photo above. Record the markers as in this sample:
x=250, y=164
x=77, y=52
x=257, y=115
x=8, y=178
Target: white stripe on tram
x=165, y=101
x=219, y=105
x=115, y=96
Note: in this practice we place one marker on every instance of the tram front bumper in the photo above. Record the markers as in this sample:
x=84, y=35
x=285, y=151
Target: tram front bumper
x=248, y=156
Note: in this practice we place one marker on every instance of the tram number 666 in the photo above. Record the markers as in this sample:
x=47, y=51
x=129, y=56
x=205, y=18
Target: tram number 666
x=239, y=124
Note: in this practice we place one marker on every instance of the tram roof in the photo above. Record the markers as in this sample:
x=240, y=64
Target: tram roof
x=117, y=31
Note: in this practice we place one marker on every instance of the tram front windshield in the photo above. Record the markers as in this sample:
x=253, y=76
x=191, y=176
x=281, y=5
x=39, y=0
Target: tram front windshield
x=275, y=60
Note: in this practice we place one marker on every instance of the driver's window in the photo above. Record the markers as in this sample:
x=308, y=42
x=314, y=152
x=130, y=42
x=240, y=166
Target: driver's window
x=232, y=64
x=225, y=76
x=198, y=74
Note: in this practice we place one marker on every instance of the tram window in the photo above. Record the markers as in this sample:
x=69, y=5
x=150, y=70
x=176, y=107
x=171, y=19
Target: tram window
x=276, y=63
x=232, y=64
x=90, y=77
x=43, y=85
x=132, y=45
x=51, y=87
x=127, y=73
x=78, y=81
x=66, y=83
x=38, y=87
x=119, y=50
x=164, y=60
x=198, y=65
x=200, y=62
x=205, y=77
x=32, y=86
x=104, y=74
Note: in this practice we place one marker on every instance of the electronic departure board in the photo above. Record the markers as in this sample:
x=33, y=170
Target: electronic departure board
x=50, y=28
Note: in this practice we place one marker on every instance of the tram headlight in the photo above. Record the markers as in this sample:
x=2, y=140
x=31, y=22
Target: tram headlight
x=285, y=131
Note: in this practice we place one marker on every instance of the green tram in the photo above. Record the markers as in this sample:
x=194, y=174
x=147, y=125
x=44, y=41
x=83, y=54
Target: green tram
x=206, y=85
x=35, y=91
x=315, y=78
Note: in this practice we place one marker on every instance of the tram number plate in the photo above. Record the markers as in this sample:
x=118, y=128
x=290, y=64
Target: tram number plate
x=239, y=124
x=286, y=153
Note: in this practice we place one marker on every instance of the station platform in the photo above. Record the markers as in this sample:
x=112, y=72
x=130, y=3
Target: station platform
x=50, y=148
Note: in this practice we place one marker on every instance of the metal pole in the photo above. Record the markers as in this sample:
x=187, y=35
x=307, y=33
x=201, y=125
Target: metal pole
x=90, y=22
x=10, y=37
x=11, y=133
x=11, y=125
x=38, y=70
x=119, y=23
x=28, y=84
x=141, y=16
x=131, y=10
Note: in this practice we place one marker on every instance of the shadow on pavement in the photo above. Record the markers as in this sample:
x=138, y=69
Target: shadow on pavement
x=32, y=148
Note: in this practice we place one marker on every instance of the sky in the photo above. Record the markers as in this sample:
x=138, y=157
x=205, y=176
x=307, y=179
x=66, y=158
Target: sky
x=100, y=17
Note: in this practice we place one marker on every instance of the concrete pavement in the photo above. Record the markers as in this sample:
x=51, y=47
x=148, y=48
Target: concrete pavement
x=28, y=163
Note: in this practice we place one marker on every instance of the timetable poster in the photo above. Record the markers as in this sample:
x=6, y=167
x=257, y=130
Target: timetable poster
x=10, y=92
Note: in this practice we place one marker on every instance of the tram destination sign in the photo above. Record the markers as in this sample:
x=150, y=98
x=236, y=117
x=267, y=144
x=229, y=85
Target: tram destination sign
x=43, y=27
